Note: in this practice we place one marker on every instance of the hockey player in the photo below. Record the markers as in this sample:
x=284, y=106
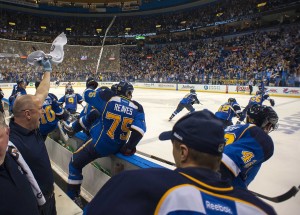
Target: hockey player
x=68, y=86
x=87, y=117
x=261, y=96
x=187, y=102
x=120, y=128
x=248, y=145
x=227, y=111
x=71, y=100
x=90, y=84
x=52, y=114
x=57, y=83
x=18, y=90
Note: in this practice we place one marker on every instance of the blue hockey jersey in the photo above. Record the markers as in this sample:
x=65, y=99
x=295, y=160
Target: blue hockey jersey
x=118, y=116
x=259, y=98
x=190, y=98
x=227, y=111
x=71, y=101
x=247, y=147
x=48, y=121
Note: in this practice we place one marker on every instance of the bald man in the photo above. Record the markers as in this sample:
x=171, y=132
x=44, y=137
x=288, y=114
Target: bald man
x=25, y=135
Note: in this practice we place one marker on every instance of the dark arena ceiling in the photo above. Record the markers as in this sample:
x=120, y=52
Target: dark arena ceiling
x=103, y=6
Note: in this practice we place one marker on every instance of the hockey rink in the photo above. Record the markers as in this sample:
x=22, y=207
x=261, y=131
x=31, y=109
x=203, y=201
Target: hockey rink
x=276, y=176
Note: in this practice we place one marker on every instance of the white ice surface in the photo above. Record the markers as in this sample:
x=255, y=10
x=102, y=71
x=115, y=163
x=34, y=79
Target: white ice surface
x=275, y=177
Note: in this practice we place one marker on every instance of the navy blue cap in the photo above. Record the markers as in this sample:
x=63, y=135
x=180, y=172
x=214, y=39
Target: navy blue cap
x=200, y=130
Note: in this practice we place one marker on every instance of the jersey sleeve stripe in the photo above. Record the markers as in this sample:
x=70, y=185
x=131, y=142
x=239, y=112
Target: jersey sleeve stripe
x=141, y=131
x=230, y=164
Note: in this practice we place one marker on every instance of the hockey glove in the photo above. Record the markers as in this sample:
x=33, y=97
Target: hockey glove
x=130, y=147
x=127, y=151
x=272, y=102
x=238, y=122
x=46, y=65
x=239, y=114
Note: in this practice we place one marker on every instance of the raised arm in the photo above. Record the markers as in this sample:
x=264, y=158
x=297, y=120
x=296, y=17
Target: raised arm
x=43, y=89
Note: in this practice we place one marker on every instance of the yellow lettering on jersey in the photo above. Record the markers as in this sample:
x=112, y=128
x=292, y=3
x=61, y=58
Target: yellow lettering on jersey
x=71, y=100
x=247, y=156
x=224, y=108
x=48, y=116
x=229, y=138
x=92, y=94
x=126, y=121
x=116, y=120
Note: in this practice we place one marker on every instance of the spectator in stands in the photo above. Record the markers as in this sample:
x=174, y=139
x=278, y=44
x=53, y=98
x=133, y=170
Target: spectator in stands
x=26, y=136
x=194, y=187
x=1, y=104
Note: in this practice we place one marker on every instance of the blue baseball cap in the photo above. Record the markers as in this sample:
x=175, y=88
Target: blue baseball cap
x=200, y=130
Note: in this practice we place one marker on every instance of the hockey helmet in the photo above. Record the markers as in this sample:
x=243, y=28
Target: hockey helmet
x=262, y=115
x=192, y=91
x=70, y=91
x=20, y=81
x=114, y=88
x=91, y=83
x=231, y=100
x=124, y=87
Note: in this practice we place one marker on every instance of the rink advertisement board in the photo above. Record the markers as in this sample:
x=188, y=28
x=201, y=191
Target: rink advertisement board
x=162, y=86
x=286, y=91
x=203, y=88
x=231, y=89
x=273, y=91
x=7, y=85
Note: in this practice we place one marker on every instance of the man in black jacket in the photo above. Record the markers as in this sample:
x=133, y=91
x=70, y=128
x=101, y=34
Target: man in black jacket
x=25, y=135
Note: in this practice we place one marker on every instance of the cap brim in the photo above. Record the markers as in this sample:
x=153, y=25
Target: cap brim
x=167, y=135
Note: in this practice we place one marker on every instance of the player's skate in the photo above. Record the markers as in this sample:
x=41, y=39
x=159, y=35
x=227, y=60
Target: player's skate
x=66, y=130
x=171, y=117
x=78, y=201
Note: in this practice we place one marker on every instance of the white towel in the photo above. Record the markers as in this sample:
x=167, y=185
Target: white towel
x=12, y=149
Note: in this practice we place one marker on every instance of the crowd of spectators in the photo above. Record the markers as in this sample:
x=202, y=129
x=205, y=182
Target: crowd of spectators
x=264, y=55
x=28, y=26
x=270, y=54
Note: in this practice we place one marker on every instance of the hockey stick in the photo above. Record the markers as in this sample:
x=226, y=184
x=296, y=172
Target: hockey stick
x=155, y=158
x=281, y=198
x=277, y=199
x=103, y=41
